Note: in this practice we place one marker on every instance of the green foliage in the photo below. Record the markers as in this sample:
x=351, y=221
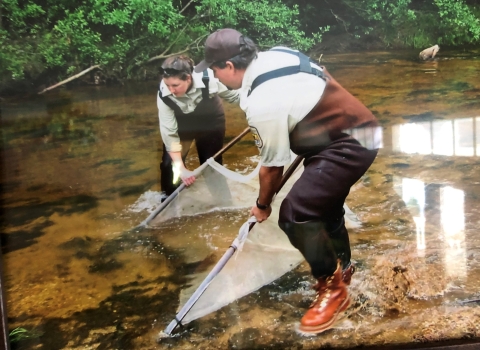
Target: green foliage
x=17, y=15
x=418, y=23
x=59, y=38
x=54, y=39
x=458, y=21
x=268, y=22
x=391, y=20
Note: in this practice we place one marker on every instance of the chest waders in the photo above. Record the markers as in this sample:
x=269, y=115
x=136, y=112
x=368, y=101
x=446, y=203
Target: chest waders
x=205, y=125
x=312, y=213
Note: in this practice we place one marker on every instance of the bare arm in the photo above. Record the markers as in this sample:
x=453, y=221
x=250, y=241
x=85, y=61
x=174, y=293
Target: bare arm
x=270, y=178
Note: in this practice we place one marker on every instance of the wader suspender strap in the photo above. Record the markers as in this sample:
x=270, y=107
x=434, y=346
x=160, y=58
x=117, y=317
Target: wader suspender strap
x=303, y=67
x=205, y=94
x=206, y=80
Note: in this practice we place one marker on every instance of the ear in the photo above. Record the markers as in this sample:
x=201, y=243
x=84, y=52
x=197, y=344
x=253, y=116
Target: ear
x=229, y=65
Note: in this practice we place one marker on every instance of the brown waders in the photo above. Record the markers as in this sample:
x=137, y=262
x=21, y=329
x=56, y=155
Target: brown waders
x=312, y=213
x=205, y=125
x=312, y=217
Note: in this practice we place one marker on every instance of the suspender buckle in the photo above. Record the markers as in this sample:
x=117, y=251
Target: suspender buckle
x=318, y=73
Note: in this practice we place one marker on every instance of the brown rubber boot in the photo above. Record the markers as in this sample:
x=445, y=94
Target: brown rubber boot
x=332, y=299
x=347, y=274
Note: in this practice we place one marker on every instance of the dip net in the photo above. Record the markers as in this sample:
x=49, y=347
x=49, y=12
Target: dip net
x=204, y=219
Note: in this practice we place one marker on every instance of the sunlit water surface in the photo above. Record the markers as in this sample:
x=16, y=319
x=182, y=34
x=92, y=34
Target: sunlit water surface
x=75, y=162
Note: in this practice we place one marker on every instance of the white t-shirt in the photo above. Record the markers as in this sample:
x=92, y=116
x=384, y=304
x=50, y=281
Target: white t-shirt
x=276, y=106
x=187, y=104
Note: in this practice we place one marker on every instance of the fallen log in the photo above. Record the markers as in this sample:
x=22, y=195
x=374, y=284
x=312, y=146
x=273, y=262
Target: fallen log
x=70, y=79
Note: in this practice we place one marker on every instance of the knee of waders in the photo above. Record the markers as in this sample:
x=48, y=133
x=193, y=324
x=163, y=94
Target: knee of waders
x=304, y=234
x=334, y=227
x=296, y=234
x=289, y=229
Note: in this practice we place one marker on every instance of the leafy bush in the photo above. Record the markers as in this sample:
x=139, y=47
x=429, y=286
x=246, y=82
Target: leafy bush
x=60, y=38
x=46, y=40
x=458, y=22
x=418, y=23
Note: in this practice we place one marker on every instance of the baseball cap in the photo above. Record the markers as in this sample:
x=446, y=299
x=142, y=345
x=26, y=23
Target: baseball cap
x=220, y=46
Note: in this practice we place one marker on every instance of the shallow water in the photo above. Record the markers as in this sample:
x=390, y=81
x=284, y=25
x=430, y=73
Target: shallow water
x=74, y=161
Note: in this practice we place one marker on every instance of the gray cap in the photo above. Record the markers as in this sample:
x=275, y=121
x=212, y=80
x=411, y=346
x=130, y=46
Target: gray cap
x=220, y=46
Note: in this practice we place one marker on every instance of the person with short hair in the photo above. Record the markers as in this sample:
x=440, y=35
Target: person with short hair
x=189, y=108
x=293, y=104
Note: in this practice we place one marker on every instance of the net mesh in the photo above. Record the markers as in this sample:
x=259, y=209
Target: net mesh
x=217, y=197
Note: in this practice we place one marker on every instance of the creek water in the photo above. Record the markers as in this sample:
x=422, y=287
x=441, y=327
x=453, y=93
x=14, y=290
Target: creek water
x=78, y=163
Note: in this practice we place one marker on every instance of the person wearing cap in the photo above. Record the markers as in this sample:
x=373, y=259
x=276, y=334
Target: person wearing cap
x=293, y=104
x=189, y=108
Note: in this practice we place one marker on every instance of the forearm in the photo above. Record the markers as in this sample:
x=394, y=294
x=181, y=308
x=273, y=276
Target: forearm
x=270, y=178
x=171, y=140
x=177, y=159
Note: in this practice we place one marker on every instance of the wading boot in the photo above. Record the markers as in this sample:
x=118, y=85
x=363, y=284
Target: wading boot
x=331, y=300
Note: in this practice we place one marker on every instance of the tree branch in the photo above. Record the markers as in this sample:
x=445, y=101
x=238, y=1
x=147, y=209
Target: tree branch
x=176, y=39
x=179, y=35
x=186, y=6
x=339, y=19
x=70, y=79
x=163, y=55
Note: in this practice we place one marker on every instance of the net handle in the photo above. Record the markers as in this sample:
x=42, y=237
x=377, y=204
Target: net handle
x=177, y=321
x=231, y=143
x=197, y=172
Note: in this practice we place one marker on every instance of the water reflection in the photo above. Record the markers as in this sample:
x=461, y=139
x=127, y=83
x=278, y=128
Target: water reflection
x=413, y=194
x=457, y=137
x=454, y=137
x=453, y=229
x=451, y=226
x=369, y=137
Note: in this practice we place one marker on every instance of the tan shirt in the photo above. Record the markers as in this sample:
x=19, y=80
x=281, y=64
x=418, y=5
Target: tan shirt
x=275, y=107
x=188, y=103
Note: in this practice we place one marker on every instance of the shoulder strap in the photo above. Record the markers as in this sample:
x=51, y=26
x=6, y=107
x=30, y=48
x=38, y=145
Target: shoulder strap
x=303, y=67
x=304, y=59
x=206, y=80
